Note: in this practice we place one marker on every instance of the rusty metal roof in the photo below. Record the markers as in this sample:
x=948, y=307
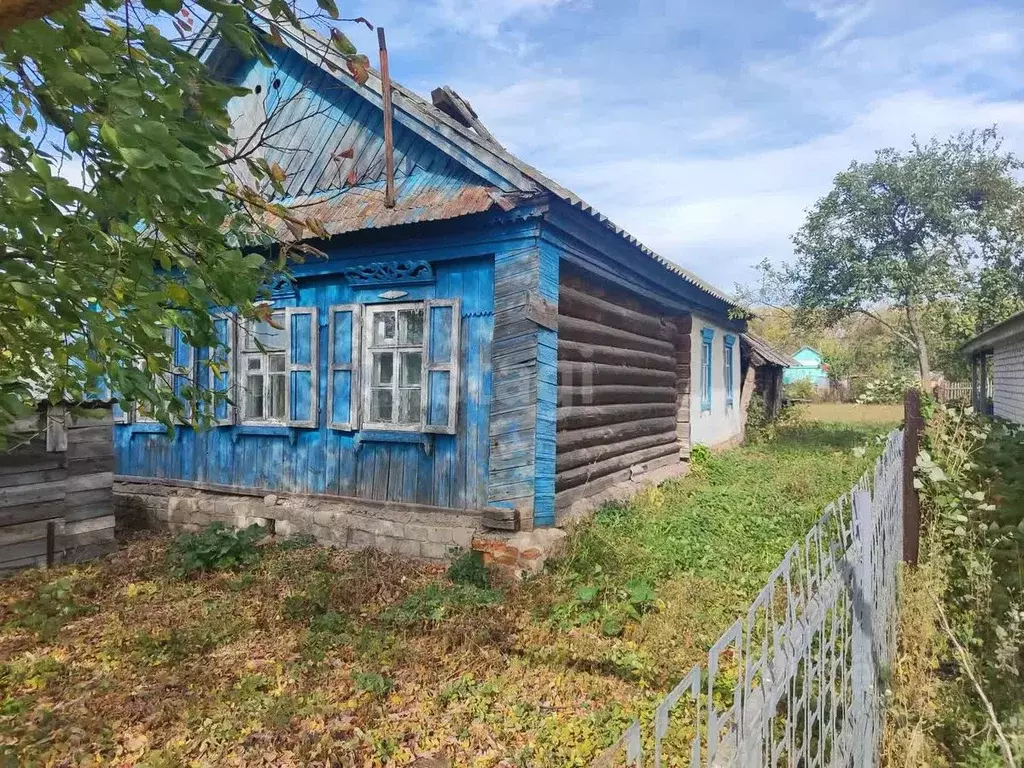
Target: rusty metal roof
x=420, y=196
x=769, y=353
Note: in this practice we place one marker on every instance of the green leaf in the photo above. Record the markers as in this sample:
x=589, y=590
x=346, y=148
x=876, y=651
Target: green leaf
x=109, y=135
x=329, y=6
x=342, y=43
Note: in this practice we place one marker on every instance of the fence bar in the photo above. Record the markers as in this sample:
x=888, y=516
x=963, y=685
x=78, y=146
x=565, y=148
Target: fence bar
x=912, y=427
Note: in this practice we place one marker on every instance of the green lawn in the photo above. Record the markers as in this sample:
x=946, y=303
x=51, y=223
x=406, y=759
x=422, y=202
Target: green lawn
x=311, y=656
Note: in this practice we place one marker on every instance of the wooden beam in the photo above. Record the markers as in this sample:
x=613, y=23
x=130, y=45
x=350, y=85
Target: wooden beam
x=594, y=374
x=575, y=303
x=572, y=439
x=615, y=394
x=597, y=453
x=587, y=416
x=582, y=475
x=457, y=108
x=596, y=353
x=589, y=332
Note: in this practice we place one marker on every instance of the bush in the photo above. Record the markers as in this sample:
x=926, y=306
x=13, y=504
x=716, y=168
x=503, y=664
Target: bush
x=888, y=389
x=215, y=548
x=468, y=568
x=802, y=389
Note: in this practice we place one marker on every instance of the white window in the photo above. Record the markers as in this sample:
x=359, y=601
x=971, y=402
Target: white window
x=263, y=368
x=393, y=366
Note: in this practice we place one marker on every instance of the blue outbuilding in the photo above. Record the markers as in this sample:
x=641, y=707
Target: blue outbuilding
x=490, y=350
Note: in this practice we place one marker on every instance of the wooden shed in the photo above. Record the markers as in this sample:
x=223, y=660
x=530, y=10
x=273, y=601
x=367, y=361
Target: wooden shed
x=489, y=351
x=56, y=487
x=764, y=368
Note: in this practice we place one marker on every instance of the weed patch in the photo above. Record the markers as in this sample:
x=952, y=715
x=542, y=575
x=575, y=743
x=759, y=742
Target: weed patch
x=215, y=548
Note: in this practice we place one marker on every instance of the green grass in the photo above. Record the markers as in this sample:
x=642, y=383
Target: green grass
x=707, y=542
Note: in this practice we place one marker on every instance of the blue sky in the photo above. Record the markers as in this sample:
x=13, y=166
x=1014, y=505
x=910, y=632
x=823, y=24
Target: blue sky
x=707, y=128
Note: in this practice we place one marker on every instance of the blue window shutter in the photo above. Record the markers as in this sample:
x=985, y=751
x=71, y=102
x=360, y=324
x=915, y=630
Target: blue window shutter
x=343, y=371
x=440, y=395
x=707, y=336
x=730, y=340
x=301, y=331
x=223, y=358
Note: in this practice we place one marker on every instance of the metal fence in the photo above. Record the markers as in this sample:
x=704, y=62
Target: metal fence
x=799, y=680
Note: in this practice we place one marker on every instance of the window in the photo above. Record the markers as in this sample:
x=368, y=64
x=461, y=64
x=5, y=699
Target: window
x=394, y=363
x=171, y=337
x=706, y=335
x=263, y=365
x=730, y=342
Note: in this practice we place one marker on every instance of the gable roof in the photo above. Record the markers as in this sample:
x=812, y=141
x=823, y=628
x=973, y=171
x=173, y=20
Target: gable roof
x=817, y=354
x=486, y=158
x=768, y=352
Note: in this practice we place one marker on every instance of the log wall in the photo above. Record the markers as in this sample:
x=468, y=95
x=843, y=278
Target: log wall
x=56, y=488
x=619, y=392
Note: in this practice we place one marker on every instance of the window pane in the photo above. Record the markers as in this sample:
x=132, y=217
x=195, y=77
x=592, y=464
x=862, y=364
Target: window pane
x=381, y=405
x=254, y=397
x=276, y=404
x=384, y=328
x=267, y=335
x=409, y=406
x=410, y=326
x=383, y=368
x=253, y=363
x=276, y=362
x=410, y=372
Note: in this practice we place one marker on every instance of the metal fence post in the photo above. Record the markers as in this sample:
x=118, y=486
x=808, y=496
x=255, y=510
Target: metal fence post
x=912, y=427
x=862, y=599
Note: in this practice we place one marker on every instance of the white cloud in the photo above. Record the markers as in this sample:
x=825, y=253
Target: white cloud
x=840, y=17
x=486, y=17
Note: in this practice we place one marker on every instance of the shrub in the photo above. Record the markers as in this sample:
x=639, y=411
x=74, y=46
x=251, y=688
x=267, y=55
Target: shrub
x=802, y=389
x=888, y=389
x=468, y=568
x=215, y=548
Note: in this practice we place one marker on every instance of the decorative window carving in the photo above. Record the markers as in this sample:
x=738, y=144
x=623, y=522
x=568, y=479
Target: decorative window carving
x=707, y=335
x=390, y=273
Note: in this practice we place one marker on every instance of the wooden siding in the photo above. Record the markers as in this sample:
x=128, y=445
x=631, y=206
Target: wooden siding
x=309, y=119
x=618, y=388
x=523, y=405
x=56, y=489
x=436, y=469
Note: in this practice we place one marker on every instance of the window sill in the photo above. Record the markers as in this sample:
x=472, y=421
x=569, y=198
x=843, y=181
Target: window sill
x=148, y=428
x=264, y=430
x=423, y=439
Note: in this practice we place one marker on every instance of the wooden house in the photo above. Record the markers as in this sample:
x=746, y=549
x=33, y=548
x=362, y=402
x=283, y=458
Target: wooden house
x=810, y=366
x=997, y=369
x=489, y=350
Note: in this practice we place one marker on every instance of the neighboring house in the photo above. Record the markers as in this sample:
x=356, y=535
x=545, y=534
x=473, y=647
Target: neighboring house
x=809, y=367
x=490, y=350
x=997, y=369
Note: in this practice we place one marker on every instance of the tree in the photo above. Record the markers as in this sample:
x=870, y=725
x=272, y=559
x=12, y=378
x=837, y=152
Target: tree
x=127, y=205
x=908, y=231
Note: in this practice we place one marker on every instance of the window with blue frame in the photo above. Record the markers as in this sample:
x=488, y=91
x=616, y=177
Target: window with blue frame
x=730, y=342
x=707, y=335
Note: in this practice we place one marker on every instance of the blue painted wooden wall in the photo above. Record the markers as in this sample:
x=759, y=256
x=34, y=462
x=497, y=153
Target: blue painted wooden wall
x=322, y=460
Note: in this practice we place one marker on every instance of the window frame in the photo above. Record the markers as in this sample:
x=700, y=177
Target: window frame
x=242, y=372
x=729, y=370
x=170, y=333
x=707, y=361
x=365, y=381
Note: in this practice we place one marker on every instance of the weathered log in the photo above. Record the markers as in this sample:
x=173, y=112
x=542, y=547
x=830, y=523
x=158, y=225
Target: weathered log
x=587, y=456
x=583, y=438
x=567, y=497
x=585, y=306
x=595, y=353
x=589, y=332
x=585, y=416
x=582, y=475
x=593, y=374
x=617, y=393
